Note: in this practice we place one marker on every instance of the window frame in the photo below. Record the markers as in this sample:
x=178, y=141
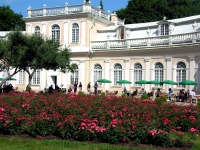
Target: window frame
x=75, y=39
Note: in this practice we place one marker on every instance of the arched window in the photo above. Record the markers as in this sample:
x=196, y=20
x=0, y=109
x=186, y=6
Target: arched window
x=159, y=71
x=75, y=33
x=137, y=72
x=4, y=74
x=180, y=72
x=164, y=29
x=117, y=73
x=97, y=72
x=37, y=30
x=36, y=78
x=74, y=75
x=55, y=33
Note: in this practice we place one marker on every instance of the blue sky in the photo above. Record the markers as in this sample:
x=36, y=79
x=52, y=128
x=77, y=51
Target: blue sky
x=20, y=6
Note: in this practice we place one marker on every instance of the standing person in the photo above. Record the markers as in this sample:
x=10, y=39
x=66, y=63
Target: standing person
x=170, y=92
x=95, y=88
x=80, y=86
x=75, y=87
x=88, y=87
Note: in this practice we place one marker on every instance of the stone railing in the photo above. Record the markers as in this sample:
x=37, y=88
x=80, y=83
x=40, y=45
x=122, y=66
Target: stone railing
x=159, y=41
x=67, y=10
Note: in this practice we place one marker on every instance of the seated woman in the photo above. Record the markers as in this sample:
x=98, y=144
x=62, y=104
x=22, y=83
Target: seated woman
x=158, y=93
x=181, y=95
x=69, y=90
x=150, y=94
x=134, y=93
x=125, y=91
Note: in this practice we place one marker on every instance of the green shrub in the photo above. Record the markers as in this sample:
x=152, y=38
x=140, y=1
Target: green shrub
x=81, y=93
x=103, y=94
x=158, y=100
x=198, y=104
x=28, y=89
x=144, y=96
x=123, y=95
x=163, y=98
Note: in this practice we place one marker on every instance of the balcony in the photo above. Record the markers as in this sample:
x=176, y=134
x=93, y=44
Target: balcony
x=62, y=10
x=149, y=42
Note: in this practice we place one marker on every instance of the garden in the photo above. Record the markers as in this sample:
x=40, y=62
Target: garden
x=106, y=119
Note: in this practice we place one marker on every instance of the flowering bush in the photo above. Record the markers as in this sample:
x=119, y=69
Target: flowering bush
x=101, y=118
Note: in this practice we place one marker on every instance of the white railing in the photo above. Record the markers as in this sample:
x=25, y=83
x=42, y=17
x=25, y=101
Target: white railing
x=164, y=41
x=67, y=10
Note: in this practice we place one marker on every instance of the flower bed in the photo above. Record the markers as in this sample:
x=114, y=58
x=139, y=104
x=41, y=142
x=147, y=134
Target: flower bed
x=97, y=118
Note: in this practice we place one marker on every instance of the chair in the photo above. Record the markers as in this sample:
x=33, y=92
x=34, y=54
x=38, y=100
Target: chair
x=99, y=92
x=192, y=100
x=115, y=92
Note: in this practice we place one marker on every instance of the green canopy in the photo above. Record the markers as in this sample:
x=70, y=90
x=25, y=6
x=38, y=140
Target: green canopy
x=169, y=82
x=12, y=79
x=124, y=82
x=104, y=81
x=154, y=82
x=1, y=79
x=142, y=82
x=188, y=82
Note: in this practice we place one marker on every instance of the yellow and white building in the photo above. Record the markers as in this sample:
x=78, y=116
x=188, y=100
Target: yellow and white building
x=103, y=46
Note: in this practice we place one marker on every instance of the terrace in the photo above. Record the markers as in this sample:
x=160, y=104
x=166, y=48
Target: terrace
x=148, y=42
x=63, y=10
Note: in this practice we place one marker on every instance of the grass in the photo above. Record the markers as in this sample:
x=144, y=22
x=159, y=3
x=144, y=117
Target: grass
x=33, y=144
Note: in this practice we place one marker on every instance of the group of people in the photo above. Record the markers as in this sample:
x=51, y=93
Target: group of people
x=6, y=88
x=74, y=86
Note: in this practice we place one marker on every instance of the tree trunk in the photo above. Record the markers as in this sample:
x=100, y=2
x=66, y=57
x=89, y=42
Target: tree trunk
x=30, y=76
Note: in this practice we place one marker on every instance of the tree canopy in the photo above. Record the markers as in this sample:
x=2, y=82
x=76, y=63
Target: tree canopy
x=9, y=20
x=138, y=11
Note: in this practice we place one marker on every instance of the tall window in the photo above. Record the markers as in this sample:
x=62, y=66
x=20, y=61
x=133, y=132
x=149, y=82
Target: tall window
x=37, y=30
x=164, y=29
x=180, y=72
x=55, y=33
x=159, y=71
x=4, y=74
x=36, y=78
x=75, y=33
x=117, y=73
x=74, y=75
x=137, y=72
x=21, y=77
x=97, y=72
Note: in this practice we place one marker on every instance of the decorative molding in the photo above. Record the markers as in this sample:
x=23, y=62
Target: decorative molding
x=82, y=61
x=195, y=25
x=148, y=31
x=191, y=58
x=146, y=59
x=43, y=24
x=126, y=60
x=65, y=22
x=106, y=60
x=168, y=59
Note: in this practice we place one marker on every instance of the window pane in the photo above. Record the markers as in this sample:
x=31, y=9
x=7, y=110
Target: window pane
x=74, y=75
x=37, y=30
x=137, y=73
x=21, y=77
x=181, y=72
x=97, y=72
x=36, y=77
x=159, y=72
x=117, y=73
x=75, y=33
x=56, y=33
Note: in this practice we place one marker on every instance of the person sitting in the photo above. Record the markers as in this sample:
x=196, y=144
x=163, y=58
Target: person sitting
x=51, y=89
x=170, y=92
x=193, y=94
x=158, y=93
x=134, y=93
x=125, y=91
x=142, y=91
x=150, y=94
x=181, y=95
x=57, y=88
x=69, y=90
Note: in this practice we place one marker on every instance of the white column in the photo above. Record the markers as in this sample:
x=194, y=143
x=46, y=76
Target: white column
x=66, y=32
x=126, y=76
x=82, y=74
x=83, y=37
x=147, y=73
x=168, y=72
x=107, y=74
x=43, y=79
x=44, y=26
x=191, y=70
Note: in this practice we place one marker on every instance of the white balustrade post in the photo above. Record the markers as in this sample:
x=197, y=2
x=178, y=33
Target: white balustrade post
x=66, y=8
x=126, y=76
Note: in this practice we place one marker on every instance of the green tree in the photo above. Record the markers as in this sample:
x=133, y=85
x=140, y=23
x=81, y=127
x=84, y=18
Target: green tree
x=12, y=50
x=44, y=54
x=138, y=11
x=10, y=20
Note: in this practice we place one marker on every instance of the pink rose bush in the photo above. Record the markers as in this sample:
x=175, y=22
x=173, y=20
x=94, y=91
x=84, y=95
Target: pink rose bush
x=96, y=118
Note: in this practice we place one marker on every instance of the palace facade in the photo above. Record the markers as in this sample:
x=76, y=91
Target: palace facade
x=102, y=46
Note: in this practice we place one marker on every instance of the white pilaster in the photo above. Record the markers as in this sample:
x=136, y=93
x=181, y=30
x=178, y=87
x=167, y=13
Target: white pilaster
x=66, y=32
x=191, y=70
x=169, y=71
x=126, y=76
x=44, y=25
x=82, y=74
x=147, y=72
x=28, y=28
x=107, y=73
x=83, y=37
